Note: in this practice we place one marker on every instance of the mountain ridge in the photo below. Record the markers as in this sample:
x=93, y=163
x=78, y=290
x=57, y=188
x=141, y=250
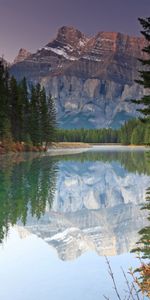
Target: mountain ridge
x=90, y=77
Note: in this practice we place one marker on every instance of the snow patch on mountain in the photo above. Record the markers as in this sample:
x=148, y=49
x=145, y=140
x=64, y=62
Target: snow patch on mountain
x=92, y=58
x=61, y=52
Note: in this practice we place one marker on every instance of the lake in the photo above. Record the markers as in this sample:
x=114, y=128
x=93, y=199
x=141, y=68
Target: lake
x=60, y=216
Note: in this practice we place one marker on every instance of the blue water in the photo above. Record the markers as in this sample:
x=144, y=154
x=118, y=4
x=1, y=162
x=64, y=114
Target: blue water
x=60, y=216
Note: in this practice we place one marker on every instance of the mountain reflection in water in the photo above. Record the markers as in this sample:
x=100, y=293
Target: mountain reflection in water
x=88, y=201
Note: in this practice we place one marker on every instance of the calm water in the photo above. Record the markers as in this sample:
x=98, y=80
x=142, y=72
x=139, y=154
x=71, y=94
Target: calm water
x=59, y=217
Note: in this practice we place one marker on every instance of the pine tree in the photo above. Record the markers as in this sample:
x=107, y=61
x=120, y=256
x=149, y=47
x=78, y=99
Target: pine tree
x=145, y=74
x=45, y=119
x=137, y=137
x=147, y=135
x=52, y=118
x=7, y=136
x=23, y=118
x=16, y=104
x=35, y=125
x=25, y=110
x=4, y=98
x=144, y=244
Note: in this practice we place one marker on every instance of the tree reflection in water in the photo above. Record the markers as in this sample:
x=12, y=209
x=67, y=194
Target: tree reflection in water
x=25, y=187
x=27, y=184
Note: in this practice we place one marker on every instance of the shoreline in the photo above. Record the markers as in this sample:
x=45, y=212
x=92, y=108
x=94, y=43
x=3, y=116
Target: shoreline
x=18, y=157
x=61, y=148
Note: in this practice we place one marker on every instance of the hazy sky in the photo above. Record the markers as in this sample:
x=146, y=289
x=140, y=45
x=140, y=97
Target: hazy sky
x=31, y=24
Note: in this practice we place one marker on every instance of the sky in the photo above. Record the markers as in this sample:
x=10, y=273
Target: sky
x=31, y=24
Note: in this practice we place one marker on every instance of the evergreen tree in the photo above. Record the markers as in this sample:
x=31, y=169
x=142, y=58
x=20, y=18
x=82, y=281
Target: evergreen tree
x=147, y=135
x=23, y=117
x=42, y=117
x=25, y=110
x=137, y=137
x=52, y=118
x=35, y=128
x=7, y=136
x=4, y=98
x=144, y=244
x=45, y=119
x=15, y=110
x=145, y=74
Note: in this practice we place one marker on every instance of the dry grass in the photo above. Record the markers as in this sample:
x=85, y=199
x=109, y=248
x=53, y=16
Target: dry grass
x=70, y=145
x=138, y=289
x=144, y=284
x=6, y=147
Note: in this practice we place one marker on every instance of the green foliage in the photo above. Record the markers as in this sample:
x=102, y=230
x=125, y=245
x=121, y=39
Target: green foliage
x=25, y=110
x=25, y=188
x=7, y=136
x=132, y=132
x=143, y=250
x=15, y=110
x=133, y=162
x=27, y=184
x=4, y=99
x=145, y=74
x=143, y=245
x=25, y=117
x=144, y=242
x=52, y=124
x=31, y=118
x=88, y=135
x=35, y=122
x=147, y=135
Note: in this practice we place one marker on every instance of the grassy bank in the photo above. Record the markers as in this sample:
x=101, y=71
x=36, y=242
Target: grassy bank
x=22, y=147
x=71, y=145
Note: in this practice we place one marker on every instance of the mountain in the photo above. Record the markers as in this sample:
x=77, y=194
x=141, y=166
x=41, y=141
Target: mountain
x=90, y=77
x=22, y=55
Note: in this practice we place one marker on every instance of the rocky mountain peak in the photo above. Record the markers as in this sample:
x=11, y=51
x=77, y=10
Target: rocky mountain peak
x=91, y=78
x=70, y=35
x=106, y=40
x=115, y=42
x=22, y=55
x=69, y=41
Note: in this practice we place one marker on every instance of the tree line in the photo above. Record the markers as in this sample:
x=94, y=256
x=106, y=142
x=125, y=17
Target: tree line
x=26, y=114
x=133, y=132
x=87, y=135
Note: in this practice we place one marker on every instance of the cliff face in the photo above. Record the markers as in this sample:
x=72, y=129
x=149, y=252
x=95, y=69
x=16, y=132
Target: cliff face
x=90, y=78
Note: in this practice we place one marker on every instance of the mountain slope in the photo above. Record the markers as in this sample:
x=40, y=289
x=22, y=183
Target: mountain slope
x=90, y=78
